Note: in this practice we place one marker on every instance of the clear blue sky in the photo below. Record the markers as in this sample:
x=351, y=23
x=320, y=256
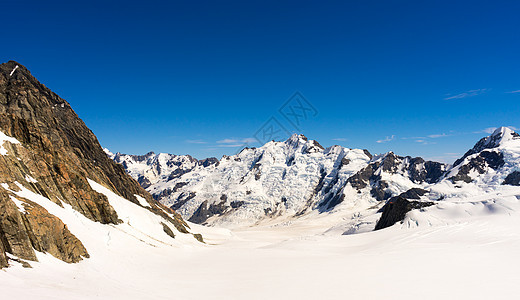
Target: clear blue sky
x=424, y=78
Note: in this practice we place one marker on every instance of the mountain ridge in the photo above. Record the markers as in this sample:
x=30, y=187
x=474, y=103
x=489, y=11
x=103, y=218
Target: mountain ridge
x=199, y=196
x=49, y=156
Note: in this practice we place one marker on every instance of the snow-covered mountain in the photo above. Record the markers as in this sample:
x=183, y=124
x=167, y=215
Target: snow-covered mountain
x=298, y=177
x=151, y=169
x=281, y=179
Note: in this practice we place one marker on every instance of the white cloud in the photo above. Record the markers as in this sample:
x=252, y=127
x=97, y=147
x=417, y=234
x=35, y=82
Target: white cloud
x=466, y=94
x=227, y=141
x=196, y=142
x=514, y=92
x=230, y=145
x=340, y=139
x=387, y=139
x=490, y=130
x=436, y=136
x=249, y=140
x=237, y=141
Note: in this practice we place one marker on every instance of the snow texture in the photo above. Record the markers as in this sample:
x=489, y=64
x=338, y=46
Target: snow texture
x=12, y=72
x=4, y=138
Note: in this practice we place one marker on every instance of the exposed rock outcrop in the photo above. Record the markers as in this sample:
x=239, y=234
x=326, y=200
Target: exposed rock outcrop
x=53, y=155
x=513, y=178
x=480, y=164
x=397, y=207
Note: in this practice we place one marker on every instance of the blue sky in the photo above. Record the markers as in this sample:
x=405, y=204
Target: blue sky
x=203, y=77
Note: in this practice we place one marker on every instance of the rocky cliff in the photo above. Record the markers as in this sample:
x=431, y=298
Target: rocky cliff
x=47, y=149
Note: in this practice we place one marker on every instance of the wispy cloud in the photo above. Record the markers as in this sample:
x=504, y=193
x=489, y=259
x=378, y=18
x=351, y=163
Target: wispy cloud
x=196, y=142
x=425, y=142
x=514, y=92
x=237, y=141
x=490, y=130
x=227, y=141
x=387, y=139
x=470, y=93
x=340, y=139
x=436, y=136
x=249, y=141
x=230, y=145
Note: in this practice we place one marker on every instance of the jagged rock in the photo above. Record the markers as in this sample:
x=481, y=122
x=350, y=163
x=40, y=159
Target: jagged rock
x=3, y=258
x=48, y=234
x=397, y=207
x=198, y=237
x=479, y=163
x=204, y=212
x=37, y=229
x=416, y=169
x=167, y=230
x=14, y=235
x=513, y=178
x=425, y=171
x=57, y=152
x=182, y=200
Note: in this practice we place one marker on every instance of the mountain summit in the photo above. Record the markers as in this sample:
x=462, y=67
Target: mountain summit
x=50, y=160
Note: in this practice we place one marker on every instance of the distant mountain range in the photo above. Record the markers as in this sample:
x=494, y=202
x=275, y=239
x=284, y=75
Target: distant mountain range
x=298, y=177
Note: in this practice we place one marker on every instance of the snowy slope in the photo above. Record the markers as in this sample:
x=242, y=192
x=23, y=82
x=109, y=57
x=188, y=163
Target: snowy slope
x=464, y=246
x=473, y=257
x=140, y=225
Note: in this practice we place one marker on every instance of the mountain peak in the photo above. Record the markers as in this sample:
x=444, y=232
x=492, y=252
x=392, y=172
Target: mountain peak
x=296, y=137
x=10, y=68
x=498, y=138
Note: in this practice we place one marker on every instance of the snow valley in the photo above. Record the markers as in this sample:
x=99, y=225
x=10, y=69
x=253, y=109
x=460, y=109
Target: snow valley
x=288, y=220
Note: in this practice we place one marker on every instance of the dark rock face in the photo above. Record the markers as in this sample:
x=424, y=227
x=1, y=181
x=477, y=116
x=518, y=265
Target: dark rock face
x=417, y=169
x=167, y=230
x=480, y=163
x=3, y=258
x=430, y=171
x=60, y=148
x=397, y=207
x=315, y=147
x=208, y=162
x=204, y=212
x=513, y=179
x=182, y=200
x=362, y=178
x=331, y=201
x=378, y=190
x=60, y=152
x=35, y=229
